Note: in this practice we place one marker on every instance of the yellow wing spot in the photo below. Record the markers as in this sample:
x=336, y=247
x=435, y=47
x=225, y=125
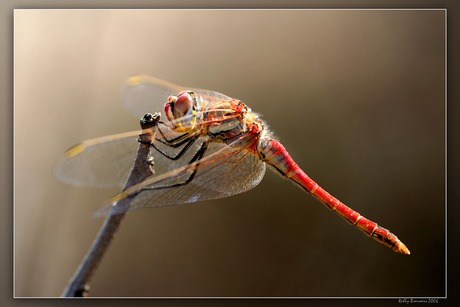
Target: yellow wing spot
x=119, y=197
x=135, y=80
x=75, y=150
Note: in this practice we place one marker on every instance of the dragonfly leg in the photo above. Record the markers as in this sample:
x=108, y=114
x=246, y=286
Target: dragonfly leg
x=188, y=142
x=176, y=141
x=199, y=154
x=187, y=138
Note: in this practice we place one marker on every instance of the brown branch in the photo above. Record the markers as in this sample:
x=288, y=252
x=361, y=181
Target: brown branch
x=142, y=168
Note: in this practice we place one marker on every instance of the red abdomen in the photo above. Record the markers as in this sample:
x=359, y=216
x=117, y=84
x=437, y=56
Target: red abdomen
x=274, y=154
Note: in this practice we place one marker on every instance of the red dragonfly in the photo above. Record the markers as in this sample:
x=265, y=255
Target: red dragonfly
x=211, y=146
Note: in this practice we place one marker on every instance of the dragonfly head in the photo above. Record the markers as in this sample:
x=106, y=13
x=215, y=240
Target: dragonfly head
x=181, y=111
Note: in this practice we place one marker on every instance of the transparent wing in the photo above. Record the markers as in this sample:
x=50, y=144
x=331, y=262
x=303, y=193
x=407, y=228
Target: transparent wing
x=106, y=161
x=142, y=94
x=103, y=162
x=225, y=170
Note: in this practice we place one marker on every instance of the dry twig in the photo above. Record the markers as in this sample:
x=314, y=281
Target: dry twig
x=142, y=168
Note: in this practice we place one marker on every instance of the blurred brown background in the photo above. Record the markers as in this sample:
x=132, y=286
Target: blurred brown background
x=357, y=98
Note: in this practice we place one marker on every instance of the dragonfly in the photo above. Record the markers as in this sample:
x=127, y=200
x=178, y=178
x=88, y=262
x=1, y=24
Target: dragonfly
x=208, y=147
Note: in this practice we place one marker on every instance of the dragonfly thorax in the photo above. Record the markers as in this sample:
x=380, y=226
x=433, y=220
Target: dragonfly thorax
x=227, y=120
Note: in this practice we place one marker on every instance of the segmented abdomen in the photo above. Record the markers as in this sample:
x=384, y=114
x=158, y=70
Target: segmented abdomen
x=274, y=154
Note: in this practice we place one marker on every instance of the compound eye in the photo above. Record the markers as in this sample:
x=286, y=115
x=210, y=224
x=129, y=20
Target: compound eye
x=183, y=103
x=181, y=110
x=169, y=107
